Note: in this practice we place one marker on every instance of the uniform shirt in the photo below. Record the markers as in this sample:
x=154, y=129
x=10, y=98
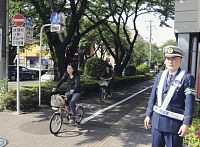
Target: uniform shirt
x=72, y=83
x=180, y=103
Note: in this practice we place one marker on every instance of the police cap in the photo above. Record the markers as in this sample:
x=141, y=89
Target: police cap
x=173, y=51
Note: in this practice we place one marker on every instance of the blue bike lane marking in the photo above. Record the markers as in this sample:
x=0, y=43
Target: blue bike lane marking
x=111, y=106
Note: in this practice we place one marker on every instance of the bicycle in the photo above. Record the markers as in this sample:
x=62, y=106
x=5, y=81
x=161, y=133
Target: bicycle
x=104, y=89
x=61, y=109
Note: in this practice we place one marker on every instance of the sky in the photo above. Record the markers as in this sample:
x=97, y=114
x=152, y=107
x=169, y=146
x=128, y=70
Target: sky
x=159, y=34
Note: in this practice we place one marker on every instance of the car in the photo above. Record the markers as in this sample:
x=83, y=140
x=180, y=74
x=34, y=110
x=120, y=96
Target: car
x=48, y=76
x=24, y=73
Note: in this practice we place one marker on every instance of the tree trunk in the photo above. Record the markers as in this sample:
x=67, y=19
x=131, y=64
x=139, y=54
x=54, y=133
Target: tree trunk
x=118, y=70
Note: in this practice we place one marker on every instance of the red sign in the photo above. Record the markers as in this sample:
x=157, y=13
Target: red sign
x=18, y=20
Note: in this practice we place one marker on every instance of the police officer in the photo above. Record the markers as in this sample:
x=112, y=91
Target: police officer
x=171, y=104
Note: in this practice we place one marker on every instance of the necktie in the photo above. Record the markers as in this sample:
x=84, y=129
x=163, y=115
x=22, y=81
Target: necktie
x=169, y=79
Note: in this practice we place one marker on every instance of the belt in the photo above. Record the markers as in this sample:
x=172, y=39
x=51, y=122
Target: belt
x=168, y=113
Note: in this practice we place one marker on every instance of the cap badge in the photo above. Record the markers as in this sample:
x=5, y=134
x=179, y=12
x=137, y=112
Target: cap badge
x=170, y=50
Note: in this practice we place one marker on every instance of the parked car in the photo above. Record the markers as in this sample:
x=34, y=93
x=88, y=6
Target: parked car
x=24, y=73
x=48, y=76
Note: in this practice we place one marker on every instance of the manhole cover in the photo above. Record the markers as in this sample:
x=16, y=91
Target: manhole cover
x=2, y=142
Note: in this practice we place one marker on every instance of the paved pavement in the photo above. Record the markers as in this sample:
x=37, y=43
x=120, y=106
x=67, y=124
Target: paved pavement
x=31, y=130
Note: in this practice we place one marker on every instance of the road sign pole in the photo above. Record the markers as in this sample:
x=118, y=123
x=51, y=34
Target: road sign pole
x=55, y=20
x=40, y=61
x=18, y=100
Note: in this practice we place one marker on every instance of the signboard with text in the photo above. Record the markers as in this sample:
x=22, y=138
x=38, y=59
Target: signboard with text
x=29, y=35
x=29, y=31
x=55, y=28
x=18, y=36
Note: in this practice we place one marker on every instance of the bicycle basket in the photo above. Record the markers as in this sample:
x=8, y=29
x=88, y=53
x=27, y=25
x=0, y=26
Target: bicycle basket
x=57, y=101
x=104, y=83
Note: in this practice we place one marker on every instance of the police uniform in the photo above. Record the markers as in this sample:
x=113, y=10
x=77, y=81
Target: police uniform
x=171, y=104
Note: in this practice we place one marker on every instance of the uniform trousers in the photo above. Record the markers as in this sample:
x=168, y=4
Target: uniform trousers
x=160, y=139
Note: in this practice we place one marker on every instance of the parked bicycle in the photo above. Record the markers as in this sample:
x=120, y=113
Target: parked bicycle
x=58, y=103
x=104, y=89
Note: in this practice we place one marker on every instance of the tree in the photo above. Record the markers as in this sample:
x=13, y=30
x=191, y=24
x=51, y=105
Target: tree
x=84, y=16
x=141, y=52
x=123, y=41
x=64, y=45
x=168, y=42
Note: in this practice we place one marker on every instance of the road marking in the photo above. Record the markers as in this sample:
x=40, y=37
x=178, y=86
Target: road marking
x=111, y=106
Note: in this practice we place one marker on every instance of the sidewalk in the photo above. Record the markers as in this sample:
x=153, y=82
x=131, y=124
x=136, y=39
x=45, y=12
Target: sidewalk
x=31, y=130
x=128, y=131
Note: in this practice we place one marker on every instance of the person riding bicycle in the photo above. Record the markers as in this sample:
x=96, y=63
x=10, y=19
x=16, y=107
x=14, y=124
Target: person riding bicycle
x=74, y=87
x=108, y=75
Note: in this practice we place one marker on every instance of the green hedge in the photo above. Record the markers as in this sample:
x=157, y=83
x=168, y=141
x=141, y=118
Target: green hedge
x=94, y=67
x=142, y=69
x=130, y=70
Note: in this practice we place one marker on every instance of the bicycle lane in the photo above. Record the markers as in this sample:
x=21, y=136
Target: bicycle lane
x=32, y=129
x=123, y=124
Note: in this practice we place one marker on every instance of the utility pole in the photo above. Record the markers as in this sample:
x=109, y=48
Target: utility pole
x=150, y=37
x=3, y=38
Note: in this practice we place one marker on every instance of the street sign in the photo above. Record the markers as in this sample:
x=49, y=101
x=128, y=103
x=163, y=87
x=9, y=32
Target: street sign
x=29, y=35
x=18, y=34
x=18, y=20
x=55, y=28
x=55, y=18
x=29, y=31
x=29, y=22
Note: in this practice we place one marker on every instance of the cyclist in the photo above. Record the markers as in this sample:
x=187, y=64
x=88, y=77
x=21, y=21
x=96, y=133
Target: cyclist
x=108, y=75
x=74, y=87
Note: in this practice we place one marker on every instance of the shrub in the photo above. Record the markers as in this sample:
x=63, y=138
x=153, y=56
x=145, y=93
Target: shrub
x=142, y=69
x=130, y=70
x=28, y=97
x=8, y=100
x=193, y=138
x=2, y=87
x=94, y=67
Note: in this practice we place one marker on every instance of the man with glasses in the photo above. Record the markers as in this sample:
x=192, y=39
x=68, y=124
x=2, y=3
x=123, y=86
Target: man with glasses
x=171, y=104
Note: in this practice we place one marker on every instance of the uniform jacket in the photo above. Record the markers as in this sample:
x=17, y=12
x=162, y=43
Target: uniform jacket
x=181, y=102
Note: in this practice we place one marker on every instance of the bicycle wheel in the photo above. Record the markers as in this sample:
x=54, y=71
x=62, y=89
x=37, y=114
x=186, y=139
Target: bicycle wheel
x=55, y=123
x=102, y=94
x=79, y=114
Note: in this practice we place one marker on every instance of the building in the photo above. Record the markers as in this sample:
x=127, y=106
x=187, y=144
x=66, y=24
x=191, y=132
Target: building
x=31, y=55
x=187, y=30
